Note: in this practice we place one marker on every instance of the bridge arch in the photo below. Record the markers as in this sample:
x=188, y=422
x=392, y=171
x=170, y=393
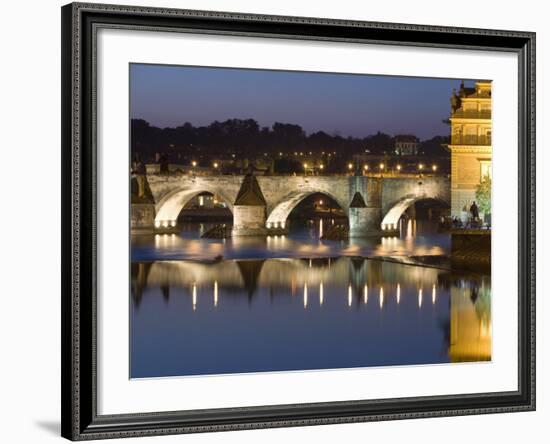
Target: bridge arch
x=279, y=214
x=391, y=218
x=170, y=206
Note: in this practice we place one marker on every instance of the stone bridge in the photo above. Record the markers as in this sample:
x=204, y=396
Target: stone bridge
x=261, y=204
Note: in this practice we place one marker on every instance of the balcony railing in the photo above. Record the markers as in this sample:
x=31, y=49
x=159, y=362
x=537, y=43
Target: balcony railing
x=471, y=140
x=473, y=114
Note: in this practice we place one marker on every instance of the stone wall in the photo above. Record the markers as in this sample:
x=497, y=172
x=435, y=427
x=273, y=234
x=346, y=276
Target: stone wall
x=142, y=216
x=471, y=250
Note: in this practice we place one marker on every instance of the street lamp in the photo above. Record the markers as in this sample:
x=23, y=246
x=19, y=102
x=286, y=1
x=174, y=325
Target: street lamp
x=350, y=166
x=215, y=164
x=194, y=163
x=365, y=167
x=420, y=166
x=398, y=167
x=381, y=166
x=434, y=167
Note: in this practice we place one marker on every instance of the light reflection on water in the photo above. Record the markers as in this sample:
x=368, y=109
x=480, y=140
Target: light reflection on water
x=236, y=316
x=417, y=238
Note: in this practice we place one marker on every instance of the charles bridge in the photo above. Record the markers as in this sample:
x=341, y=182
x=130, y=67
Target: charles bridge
x=261, y=204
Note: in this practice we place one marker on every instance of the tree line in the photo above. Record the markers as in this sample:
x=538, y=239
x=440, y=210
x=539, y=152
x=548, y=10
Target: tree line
x=245, y=138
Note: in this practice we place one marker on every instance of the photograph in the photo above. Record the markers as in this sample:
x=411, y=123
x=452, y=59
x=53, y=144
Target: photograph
x=302, y=221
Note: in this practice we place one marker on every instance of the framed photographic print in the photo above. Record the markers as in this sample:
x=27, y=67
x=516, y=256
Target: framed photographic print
x=280, y=221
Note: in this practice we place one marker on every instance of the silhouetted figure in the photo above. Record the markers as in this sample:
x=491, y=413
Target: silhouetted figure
x=163, y=161
x=474, y=210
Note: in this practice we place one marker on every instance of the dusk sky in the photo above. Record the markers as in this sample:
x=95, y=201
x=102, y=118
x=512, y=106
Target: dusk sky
x=352, y=105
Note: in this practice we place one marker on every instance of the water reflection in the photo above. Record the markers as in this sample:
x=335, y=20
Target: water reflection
x=247, y=315
x=416, y=239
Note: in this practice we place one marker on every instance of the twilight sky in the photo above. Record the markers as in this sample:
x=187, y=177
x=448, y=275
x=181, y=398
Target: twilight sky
x=353, y=105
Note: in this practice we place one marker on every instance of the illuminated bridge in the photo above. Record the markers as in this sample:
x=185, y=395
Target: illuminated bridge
x=261, y=204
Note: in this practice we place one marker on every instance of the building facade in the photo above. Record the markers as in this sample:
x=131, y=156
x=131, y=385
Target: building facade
x=470, y=147
x=406, y=145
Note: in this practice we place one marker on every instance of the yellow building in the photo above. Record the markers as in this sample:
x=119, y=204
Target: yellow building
x=471, y=149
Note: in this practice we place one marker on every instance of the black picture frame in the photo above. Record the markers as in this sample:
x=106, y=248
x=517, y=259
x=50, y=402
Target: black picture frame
x=79, y=386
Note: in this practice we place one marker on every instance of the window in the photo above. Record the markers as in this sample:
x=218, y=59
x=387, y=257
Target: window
x=485, y=168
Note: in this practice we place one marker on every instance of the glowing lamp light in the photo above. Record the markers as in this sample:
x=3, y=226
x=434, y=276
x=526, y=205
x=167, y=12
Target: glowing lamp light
x=350, y=166
x=305, y=165
x=194, y=163
x=420, y=166
x=321, y=166
x=434, y=167
x=381, y=166
x=365, y=167
x=398, y=167
x=157, y=224
x=215, y=164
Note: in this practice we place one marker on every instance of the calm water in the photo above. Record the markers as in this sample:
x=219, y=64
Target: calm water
x=297, y=303
x=417, y=238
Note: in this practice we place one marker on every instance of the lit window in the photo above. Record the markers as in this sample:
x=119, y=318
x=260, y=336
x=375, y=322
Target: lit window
x=485, y=168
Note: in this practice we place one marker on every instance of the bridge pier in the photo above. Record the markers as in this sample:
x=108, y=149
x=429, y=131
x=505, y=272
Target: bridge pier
x=142, y=216
x=249, y=210
x=249, y=220
x=363, y=221
x=365, y=209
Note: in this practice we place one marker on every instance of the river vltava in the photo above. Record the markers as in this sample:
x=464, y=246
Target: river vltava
x=205, y=306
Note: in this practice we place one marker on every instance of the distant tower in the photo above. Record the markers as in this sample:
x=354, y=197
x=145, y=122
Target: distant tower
x=471, y=149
